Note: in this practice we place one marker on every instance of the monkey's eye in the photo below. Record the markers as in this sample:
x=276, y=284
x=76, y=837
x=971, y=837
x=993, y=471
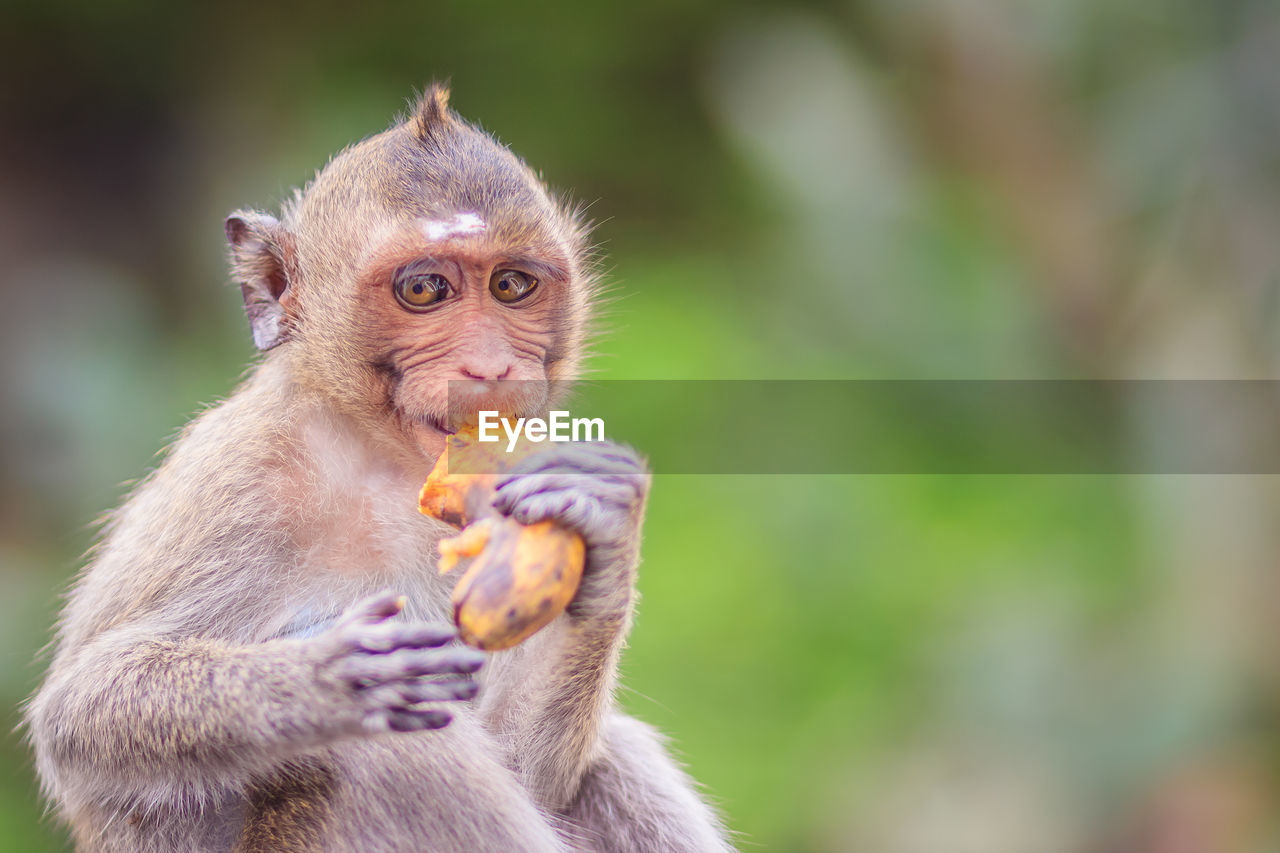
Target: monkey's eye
x=511, y=285
x=420, y=290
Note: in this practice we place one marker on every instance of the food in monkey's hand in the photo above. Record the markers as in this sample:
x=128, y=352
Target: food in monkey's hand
x=521, y=576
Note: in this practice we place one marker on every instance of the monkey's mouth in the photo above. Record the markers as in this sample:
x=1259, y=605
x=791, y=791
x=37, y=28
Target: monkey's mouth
x=427, y=422
x=437, y=424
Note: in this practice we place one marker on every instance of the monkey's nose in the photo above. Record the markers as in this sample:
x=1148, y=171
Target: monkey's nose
x=485, y=372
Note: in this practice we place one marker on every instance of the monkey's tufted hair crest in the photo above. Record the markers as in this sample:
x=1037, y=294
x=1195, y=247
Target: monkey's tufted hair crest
x=432, y=113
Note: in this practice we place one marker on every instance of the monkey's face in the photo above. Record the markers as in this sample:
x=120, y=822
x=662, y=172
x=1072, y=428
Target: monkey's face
x=459, y=316
x=425, y=273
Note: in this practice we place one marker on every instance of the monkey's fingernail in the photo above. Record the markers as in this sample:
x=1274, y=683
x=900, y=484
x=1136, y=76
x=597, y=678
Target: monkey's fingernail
x=436, y=719
x=401, y=601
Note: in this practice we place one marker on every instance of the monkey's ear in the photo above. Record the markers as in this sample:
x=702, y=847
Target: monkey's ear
x=262, y=257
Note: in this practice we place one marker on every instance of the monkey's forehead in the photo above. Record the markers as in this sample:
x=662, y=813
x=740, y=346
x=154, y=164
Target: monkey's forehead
x=466, y=238
x=395, y=178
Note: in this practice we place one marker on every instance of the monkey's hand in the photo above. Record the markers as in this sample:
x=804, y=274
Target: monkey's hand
x=376, y=668
x=599, y=490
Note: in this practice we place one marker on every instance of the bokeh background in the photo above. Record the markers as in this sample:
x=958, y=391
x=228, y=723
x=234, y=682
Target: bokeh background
x=866, y=189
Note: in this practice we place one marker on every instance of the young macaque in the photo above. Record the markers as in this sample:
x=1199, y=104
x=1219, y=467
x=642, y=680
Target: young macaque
x=258, y=655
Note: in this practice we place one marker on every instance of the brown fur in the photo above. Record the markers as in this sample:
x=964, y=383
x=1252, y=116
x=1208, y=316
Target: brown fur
x=288, y=812
x=195, y=700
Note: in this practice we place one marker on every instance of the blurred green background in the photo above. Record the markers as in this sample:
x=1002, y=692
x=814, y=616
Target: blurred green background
x=867, y=189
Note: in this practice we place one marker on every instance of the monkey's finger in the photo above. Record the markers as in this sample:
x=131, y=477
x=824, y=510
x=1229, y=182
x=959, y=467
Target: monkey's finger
x=372, y=670
x=604, y=490
x=603, y=459
x=416, y=720
x=409, y=720
x=567, y=507
x=408, y=694
x=373, y=609
x=389, y=636
x=443, y=691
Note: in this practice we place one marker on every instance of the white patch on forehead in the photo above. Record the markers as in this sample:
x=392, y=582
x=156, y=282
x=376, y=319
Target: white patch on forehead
x=460, y=225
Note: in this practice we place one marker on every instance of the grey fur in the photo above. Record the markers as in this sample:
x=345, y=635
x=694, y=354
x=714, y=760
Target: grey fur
x=230, y=671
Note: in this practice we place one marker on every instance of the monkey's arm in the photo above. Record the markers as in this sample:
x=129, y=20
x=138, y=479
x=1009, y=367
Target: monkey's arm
x=633, y=796
x=546, y=698
x=551, y=699
x=133, y=710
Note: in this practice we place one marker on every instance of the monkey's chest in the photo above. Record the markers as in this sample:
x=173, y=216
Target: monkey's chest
x=370, y=531
x=357, y=547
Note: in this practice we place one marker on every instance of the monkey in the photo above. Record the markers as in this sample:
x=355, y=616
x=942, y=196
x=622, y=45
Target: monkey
x=257, y=655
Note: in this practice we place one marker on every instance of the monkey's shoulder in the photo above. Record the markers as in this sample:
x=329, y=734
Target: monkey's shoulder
x=245, y=506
